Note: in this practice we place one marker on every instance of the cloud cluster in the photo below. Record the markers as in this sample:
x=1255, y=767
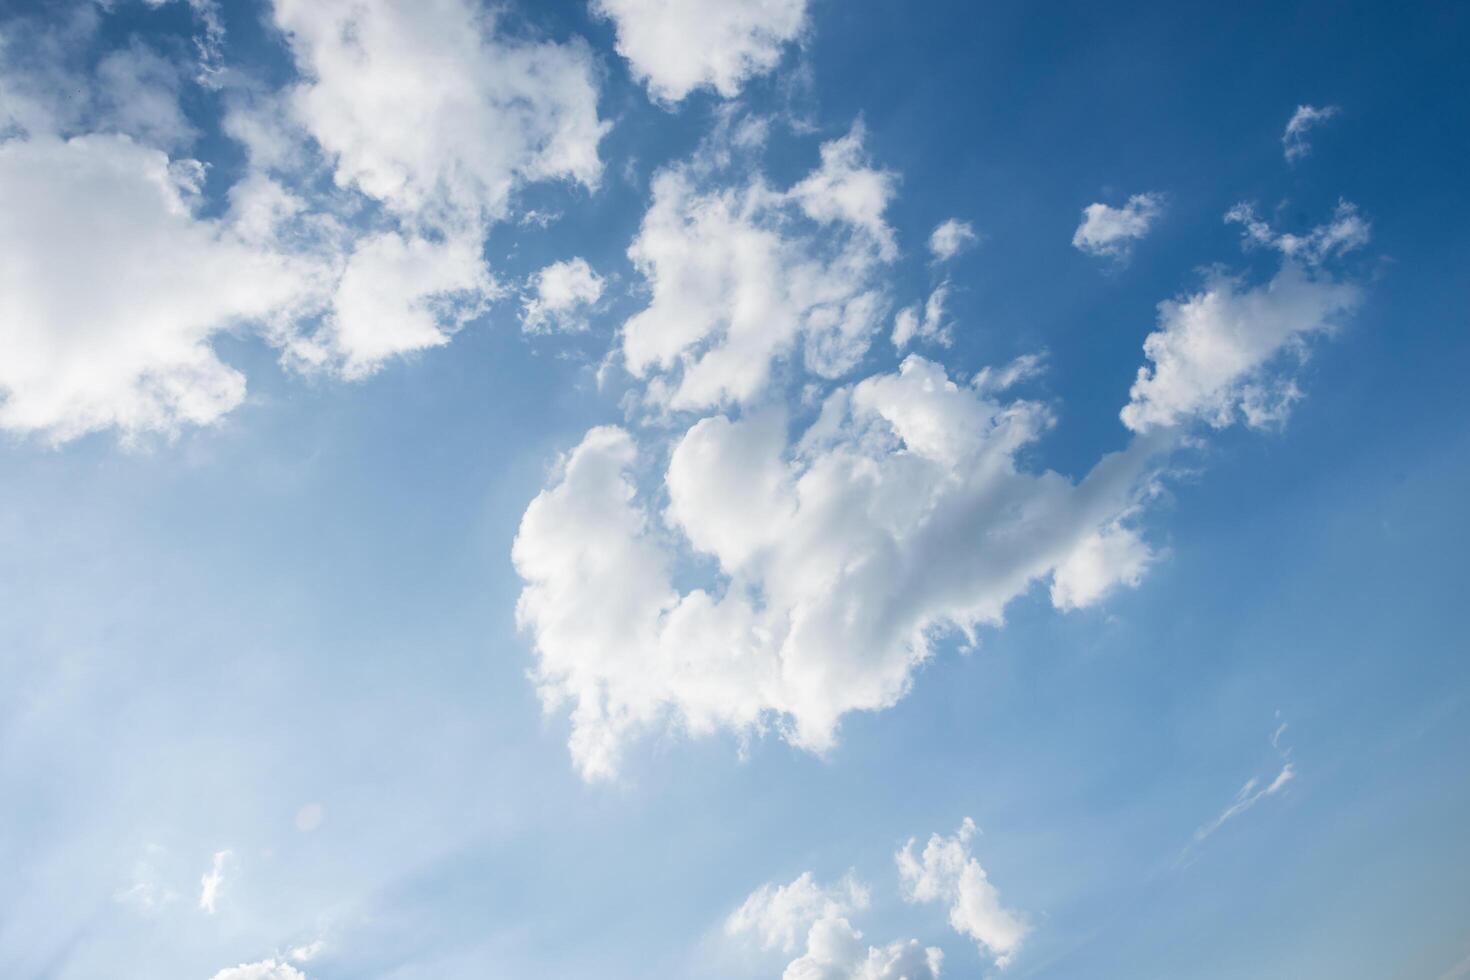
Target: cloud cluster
x=677, y=46
x=1110, y=232
x=112, y=289
x=814, y=919
x=742, y=277
x=117, y=275
x=946, y=872
x=834, y=558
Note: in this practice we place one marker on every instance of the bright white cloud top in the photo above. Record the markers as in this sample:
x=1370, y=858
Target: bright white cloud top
x=102, y=189
x=559, y=295
x=743, y=276
x=947, y=872
x=842, y=552
x=804, y=916
x=1224, y=353
x=1110, y=232
x=677, y=46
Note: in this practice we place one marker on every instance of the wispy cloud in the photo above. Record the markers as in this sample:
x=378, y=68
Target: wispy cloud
x=213, y=880
x=1294, y=140
x=1254, y=790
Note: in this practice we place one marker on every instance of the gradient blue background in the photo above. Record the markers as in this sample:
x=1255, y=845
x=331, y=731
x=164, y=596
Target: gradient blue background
x=314, y=600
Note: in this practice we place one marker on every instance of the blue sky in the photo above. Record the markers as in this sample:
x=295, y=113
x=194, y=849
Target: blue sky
x=533, y=500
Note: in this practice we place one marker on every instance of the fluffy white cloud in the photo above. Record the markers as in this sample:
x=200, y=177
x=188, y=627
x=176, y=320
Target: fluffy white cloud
x=778, y=916
x=558, y=292
x=264, y=970
x=427, y=109
x=785, y=917
x=1217, y=354
x=395, y=296
x=213, y=881
x=740, y=276
x=1108, y=231
x=899, y=513
x=947, y=872
x=112, y=285
x=1294, y=142
x=950, y=238
x=836, y=951
x=112, y=288
x=1112, y=555
x=928, y=323
x=677, y=46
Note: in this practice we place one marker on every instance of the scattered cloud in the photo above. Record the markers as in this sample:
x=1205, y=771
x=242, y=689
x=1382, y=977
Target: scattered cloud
x=677, y=46
x=214, y=880
x=927, y=324
x=559, y=292
x=945, y=871
x=1306, y=118
x=1347, y=230
x=1221, y=354
x=1110, y=232
x=807, y=917
x=1255, y=788
x=950, y=238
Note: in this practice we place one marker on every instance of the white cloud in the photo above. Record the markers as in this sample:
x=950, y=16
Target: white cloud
x=929, y=324
x=271, y=969
x=1218, y=354
x=677, y=46
x=950, y=238
x=428, y=110
x=901, y=512
x=112, y=289
x=1110, y=232
x=1110, y=556
x=1294, y=140
x=993, y=380
x=778, y=916
x=397, y=295
x=1346, y=231
x=740, y=276
x=559, y=291
x=947, y=872
x=213, y=881
x=806, y=914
